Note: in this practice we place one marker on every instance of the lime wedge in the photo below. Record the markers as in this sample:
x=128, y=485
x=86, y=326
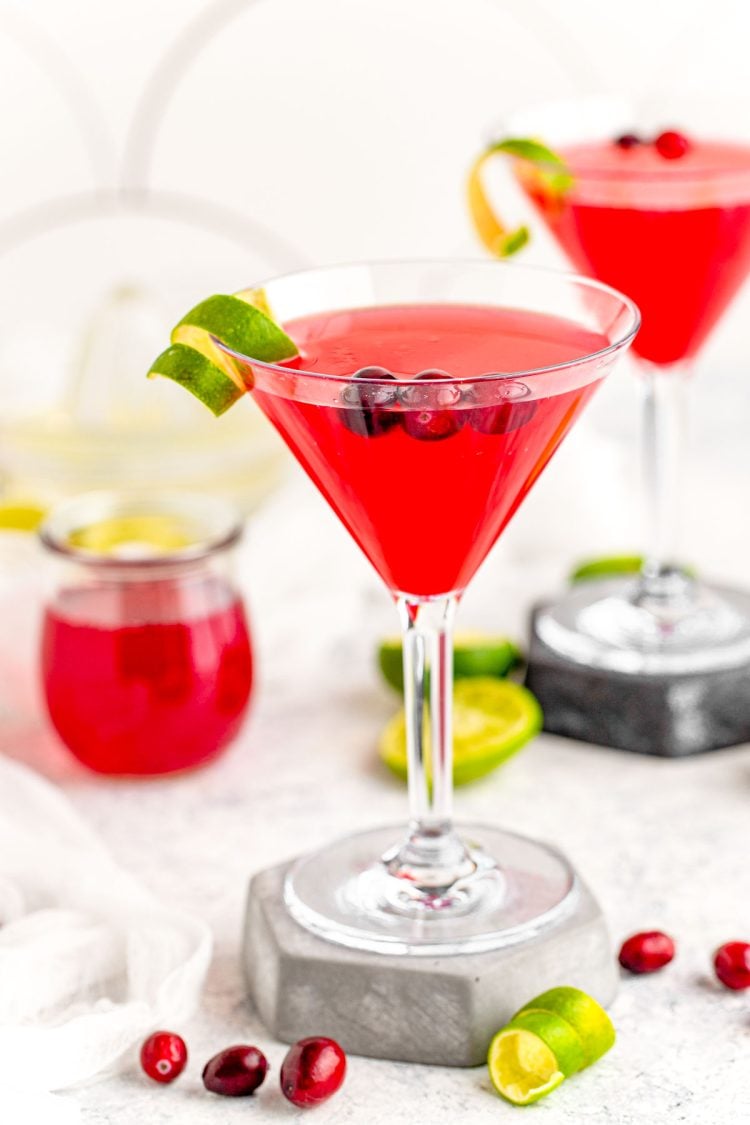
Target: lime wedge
x=497, y=236
x=492, y=720
x=15, y=516
x=241, y=322
x=554, y=1036
x=474, y=654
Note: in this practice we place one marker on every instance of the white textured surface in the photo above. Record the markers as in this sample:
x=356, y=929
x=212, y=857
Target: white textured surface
x=662, y=843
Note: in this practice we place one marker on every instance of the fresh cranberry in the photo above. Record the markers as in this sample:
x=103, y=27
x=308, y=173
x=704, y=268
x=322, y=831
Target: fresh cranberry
x=163, y=1056
x=369, y=405
x=732, y=964
x=430, y=413
x=628, y=140
x=646, y=952
x=236, y=1071
x=500, y=408
x=312, y=1070
x=672, y=145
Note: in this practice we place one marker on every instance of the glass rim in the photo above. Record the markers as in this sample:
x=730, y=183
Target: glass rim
x=564, y=277
x=223, y=522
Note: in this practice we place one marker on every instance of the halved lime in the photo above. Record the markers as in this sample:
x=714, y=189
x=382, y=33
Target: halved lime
x=241, y=322
x=532, y=1055
x=595, y=1028
x=492, y=720
x=474, y=654
x=552, y=1037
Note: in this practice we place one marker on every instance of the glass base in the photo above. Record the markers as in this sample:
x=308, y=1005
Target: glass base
x=620, y=625
x=516, y=888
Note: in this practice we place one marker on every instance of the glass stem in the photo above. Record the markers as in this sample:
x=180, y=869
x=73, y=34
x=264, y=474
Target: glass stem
x=433, y=858
x=664, y=417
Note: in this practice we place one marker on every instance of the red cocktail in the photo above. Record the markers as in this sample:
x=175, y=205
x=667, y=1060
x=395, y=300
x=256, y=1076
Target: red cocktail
x=424, y=403
x=426, y=477
x=664, y=217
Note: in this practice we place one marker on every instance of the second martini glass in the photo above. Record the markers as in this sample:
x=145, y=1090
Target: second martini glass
x=425, y=402
x=666, y=220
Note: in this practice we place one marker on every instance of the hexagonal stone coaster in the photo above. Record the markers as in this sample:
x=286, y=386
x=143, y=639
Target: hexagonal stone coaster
x=439, y=1010
x=669, y=716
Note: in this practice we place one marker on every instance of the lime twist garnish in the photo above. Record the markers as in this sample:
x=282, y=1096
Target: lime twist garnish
x=492, y=720
x=195, y=359
x=496, y=235
x=553, y=1036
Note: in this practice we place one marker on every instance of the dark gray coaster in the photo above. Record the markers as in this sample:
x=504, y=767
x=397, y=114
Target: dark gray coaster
x=667, y=715
x=440, y=1010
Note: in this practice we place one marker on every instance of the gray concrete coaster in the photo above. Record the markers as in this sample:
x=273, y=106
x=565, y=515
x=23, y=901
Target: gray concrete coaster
x=440, y=1010
x=667, y=715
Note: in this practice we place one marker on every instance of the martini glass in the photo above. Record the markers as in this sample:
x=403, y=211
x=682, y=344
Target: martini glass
x=426, y=401
x=672, y=229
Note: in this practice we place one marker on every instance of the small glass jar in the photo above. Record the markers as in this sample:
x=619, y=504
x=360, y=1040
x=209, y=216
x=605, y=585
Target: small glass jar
x=146, y=656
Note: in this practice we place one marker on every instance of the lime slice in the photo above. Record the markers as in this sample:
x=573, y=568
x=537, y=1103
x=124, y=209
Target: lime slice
x=241, y=322
x=15, y=516
x=497, y=236
x=595, y=1028
x=474, y=654
x=492, y=720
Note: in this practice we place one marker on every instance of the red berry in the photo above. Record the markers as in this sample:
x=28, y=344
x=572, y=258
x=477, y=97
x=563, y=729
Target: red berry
x=236, y=1071
x=732, y=964
x=628, y=140
x=646, y=952
x=368, y=401
x=312, y=1070
x=672, y=145
x=163, y=1056
x=430, y=413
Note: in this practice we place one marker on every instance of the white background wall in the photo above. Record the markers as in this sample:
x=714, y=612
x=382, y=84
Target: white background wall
x=328, y=130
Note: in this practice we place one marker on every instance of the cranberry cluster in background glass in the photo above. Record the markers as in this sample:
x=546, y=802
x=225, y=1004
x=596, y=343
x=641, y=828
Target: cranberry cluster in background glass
x=427, y=411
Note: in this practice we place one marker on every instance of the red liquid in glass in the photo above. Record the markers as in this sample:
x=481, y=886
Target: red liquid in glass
x=426, y=512
x=136, y=683
x=672, y=234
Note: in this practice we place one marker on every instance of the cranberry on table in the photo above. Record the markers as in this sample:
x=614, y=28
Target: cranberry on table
x=312, y=1071
x=646, y=952
x=163, y=1056
x=430, y=412
x=628, y=140
x=236, y=1071
x=672, y=145
x=732, y=964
